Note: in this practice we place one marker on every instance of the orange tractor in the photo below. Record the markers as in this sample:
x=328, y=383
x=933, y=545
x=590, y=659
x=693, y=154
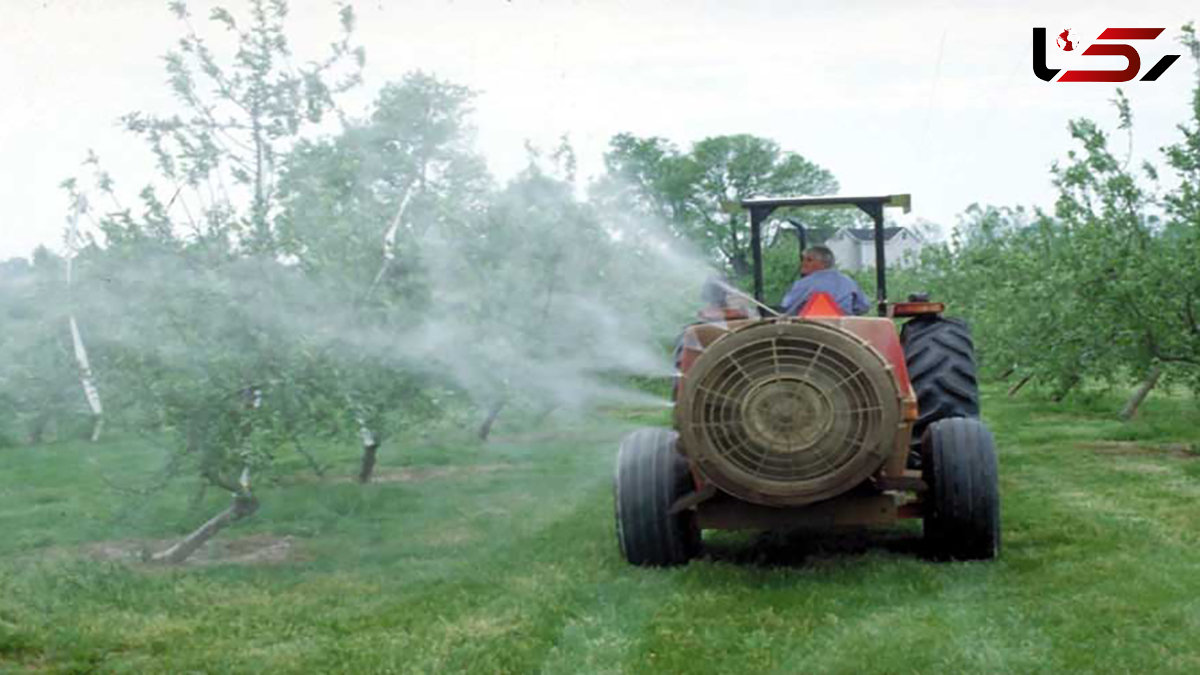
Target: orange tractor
x=816, y=421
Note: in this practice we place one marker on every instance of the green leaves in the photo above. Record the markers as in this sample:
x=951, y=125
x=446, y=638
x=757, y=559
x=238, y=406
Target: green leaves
x=222, y=15
x=698, y=193
x=1106, y=288
x=347, y=17
x=240, y=113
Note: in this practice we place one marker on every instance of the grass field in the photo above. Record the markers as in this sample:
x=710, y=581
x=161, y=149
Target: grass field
x=502, y=558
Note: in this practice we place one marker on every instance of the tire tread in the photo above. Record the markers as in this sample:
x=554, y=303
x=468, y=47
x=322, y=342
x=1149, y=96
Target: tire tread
x=962, y=519
x=650, y=477
x=940, y=359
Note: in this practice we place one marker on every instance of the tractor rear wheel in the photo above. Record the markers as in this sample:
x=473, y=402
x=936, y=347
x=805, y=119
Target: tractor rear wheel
x=962, y=504
x=940, y=357
x=650, y=477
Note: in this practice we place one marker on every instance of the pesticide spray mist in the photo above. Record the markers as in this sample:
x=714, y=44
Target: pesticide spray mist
x=536, y=304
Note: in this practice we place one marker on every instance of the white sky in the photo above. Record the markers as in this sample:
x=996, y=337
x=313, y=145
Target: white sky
x=937, y=99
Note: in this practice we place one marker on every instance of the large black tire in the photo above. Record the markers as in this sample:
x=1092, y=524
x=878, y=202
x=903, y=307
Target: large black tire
x=962, y=505
x=650, y=477
x=940, y=358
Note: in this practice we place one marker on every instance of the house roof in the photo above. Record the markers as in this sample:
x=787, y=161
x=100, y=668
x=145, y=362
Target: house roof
x=868, y=233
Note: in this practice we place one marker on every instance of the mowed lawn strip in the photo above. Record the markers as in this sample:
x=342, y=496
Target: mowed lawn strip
x=503, y=559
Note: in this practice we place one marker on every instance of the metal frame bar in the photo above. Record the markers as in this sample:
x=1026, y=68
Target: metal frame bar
x=801, y=235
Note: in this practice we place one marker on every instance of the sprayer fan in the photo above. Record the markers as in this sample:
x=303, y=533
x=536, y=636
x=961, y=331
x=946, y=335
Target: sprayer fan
x=788, y=412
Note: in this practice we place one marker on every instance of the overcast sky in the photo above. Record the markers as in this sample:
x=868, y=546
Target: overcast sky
x=937, y=99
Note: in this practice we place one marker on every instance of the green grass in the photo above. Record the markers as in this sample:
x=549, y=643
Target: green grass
x=503, y=559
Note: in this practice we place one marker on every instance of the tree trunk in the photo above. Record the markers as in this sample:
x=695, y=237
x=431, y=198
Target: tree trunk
x=389, y=240
x=38, y=431
x=81, y=358
x=1131, y=407
x=85, y=373
x=97, y=427
x=1064, y=389
x=1017, y=387
x=243, y=506
x=369, y=440
x=485, y=429
x=367, y=466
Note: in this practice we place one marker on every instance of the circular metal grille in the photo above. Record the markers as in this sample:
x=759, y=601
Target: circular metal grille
x=788, y=411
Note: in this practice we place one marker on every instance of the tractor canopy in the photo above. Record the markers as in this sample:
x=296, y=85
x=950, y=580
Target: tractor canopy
x=762, y=207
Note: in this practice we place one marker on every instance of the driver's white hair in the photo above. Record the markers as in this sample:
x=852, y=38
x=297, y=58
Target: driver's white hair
x=823, y=254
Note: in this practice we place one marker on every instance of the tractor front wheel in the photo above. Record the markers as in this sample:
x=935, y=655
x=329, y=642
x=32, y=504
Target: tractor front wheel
x=650, y=477
x=962, y=504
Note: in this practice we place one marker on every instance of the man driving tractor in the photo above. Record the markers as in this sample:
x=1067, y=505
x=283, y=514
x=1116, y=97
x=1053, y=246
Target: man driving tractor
x=819, y=276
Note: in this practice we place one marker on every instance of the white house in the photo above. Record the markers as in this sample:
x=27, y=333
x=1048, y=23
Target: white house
x=854, y=247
